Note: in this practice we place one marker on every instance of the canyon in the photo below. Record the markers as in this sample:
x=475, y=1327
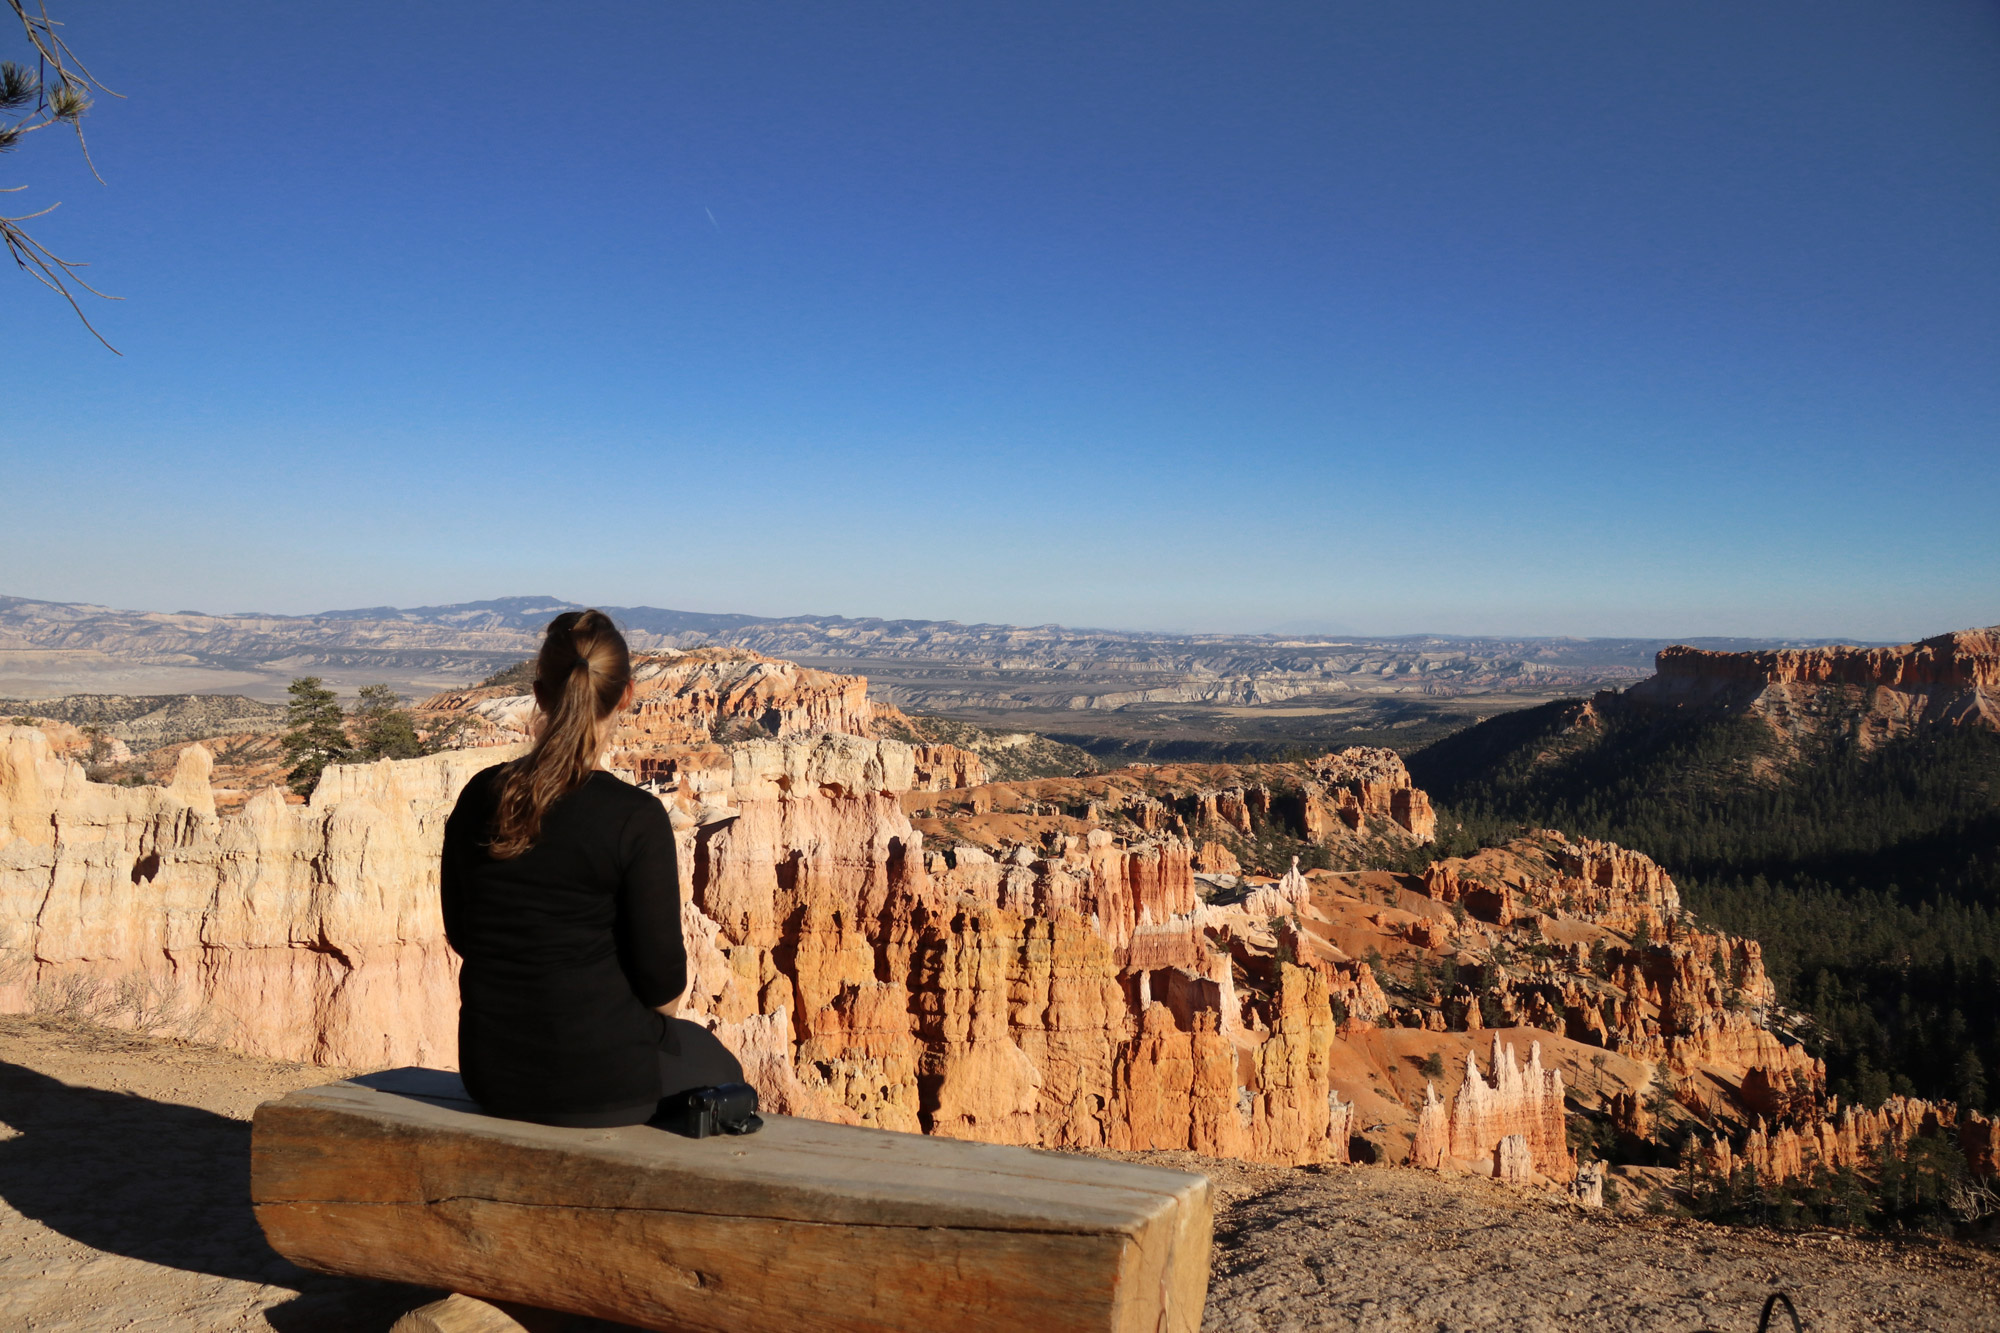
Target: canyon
x=1841, y=804
x=886, y=937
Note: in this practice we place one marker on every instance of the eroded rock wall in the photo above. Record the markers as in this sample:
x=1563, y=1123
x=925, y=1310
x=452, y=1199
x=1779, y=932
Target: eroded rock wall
x=298, y=932
x=1874, y=693
x=1511, y=1127
x=1849, y=1138
x=1077, y=993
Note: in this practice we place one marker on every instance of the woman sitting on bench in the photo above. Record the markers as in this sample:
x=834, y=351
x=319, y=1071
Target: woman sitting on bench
x=562, y=895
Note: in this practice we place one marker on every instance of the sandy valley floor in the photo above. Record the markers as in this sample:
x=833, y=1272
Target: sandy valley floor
x=124, y=1174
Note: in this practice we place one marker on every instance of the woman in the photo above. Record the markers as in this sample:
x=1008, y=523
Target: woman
x=562, y=895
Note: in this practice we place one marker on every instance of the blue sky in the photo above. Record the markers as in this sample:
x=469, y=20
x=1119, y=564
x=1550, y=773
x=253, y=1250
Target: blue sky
x=1568, y=318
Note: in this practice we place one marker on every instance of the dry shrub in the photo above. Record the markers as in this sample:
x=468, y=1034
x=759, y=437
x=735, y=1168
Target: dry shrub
x=145, y=1006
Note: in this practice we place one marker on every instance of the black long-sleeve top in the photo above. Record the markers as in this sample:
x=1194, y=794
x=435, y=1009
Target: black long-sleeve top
x=569, y=950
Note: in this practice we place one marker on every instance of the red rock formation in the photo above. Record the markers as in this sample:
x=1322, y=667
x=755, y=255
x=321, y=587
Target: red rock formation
x=1968, y=659
x=1547, y=873
x=1432, y=1144
x=1850, y=1140
x=1611, y=885
x=1073, y=990
x=1691, y=998
x=1215, y=859
x=1524, y=1101
x=303, y=932
x=1355, y=987
x=940, y=767
x=1877, y=693
x=1979, y=1137
x=1427, y=933
x=885, y=939
x=1364, y=784
x=1789, y=1092
x=690, y=708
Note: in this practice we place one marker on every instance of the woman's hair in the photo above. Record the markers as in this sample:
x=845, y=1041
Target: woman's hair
x=580, y=677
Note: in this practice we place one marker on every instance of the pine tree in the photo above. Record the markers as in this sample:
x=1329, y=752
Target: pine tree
x=383, y=727
x=1660, y=1094
x=1970, y=1075
x=316, y=733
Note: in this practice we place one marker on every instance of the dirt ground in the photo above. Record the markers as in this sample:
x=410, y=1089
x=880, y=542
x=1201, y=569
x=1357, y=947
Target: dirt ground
x=1401, y=1251
x=124, y=1169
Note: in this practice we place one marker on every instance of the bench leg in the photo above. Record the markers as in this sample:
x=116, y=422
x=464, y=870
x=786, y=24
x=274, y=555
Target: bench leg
x=458, y=1314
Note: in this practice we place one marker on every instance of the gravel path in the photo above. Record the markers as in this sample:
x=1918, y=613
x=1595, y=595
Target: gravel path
x=124, y=1170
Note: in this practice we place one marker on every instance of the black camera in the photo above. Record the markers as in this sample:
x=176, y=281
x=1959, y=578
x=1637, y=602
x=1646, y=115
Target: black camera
x=727, y=1108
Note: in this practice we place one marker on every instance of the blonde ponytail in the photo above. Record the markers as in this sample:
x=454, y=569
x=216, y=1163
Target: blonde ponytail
x=580, y=679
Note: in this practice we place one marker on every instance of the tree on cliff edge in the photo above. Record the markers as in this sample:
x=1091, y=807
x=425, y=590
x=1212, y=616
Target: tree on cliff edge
x=51, y=88
x=315, y=735
x=383, y=728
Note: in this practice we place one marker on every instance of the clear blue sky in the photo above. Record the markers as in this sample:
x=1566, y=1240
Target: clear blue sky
x=1546, y=318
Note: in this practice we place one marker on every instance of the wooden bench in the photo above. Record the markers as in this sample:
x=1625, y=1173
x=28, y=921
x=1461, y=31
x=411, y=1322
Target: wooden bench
x=802, y=1227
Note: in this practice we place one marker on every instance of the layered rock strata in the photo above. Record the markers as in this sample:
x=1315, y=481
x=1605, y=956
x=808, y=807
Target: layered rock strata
x=689, y=706
x=1073, y=994
x=1873, y=693
x=301, y=932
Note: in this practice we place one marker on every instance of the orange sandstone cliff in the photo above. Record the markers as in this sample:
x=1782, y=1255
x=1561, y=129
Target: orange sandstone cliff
x=1877, y=693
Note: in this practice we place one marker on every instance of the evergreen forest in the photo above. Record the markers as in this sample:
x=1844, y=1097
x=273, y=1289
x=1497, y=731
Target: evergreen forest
x=1871, y=876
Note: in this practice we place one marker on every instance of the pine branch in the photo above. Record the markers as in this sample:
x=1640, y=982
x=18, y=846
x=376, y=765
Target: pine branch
x=63, y=104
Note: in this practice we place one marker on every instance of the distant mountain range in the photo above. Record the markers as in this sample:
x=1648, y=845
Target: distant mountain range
x=925, y=636
x=534, y=613
x=938, y=665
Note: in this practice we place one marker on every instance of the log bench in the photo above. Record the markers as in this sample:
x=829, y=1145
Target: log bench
x=803, y=1226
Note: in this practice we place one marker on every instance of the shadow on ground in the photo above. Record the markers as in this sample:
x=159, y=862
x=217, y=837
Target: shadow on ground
x=167, y=1185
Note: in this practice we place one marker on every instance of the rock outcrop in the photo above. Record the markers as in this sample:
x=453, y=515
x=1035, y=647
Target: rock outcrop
x=1361, y=784
x=1849, y=1138
x=687, y=699
x=1688, y=997
x=1511, y=1128
x=1065, y=993
x=689, y=707
x=1588, y=1187
x=301, y=932
x=1967, y=659
x=1979, y=1139
x=1547, y=873
x=1523, y=1102
x=1073, y=994
x=1874, y=694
